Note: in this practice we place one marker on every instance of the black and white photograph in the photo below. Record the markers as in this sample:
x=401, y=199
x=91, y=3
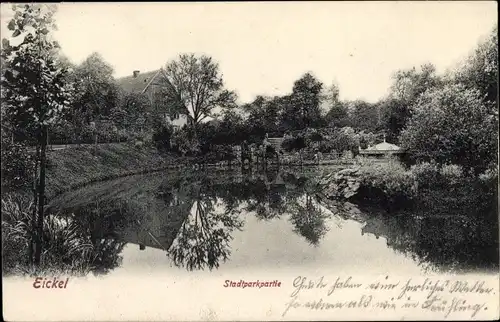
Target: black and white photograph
x=217, y=161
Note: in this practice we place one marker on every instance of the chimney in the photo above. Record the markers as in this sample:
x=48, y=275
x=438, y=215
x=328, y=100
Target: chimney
x=136, y=73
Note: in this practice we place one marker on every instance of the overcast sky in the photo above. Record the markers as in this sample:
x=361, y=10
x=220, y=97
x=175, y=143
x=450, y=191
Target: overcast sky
x=262, y=48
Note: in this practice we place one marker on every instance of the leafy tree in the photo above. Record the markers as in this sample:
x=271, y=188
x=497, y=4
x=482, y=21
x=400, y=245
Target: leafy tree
x=452, y=125
x=394, y=116
x=194, y=86
x=480, y=71
x=134, y=112
x=409, y=84
x=95, y=100
x=331, y=95
x=97, y=91
x=294, y=143
x=345, y=139
x=265, y=115
x=303, y=108
x=162, y=136
x=364, y=116
x=405, y=90
x=231, y=129
x=35, y=88
x=308, y=219
x=338, y=113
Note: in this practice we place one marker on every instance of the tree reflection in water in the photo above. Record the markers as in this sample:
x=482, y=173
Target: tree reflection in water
x=100, y=224
x=203, y=239
x=308, y=218
x=193, y=217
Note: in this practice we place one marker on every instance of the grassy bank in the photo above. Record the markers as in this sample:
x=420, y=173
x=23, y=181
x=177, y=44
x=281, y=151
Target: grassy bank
x=68, y=248
x=72, y=168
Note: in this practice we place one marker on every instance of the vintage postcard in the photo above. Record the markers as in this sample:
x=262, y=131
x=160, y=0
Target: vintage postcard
x=246, y=161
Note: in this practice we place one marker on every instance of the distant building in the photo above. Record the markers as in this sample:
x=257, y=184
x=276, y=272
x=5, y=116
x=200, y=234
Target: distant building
x=148, y=84
x=381, y=150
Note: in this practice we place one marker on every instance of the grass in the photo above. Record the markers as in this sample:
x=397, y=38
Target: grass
x=72, y=168
x=67, y=250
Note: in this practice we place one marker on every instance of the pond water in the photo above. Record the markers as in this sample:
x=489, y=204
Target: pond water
x=219, y=221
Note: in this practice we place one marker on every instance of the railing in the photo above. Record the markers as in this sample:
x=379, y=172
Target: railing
x=56, y=147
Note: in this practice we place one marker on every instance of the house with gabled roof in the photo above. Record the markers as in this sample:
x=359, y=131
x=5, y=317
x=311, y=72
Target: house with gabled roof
x=148, y=84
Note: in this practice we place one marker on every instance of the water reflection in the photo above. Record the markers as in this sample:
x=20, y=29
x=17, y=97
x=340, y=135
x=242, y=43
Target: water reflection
x=193, y=218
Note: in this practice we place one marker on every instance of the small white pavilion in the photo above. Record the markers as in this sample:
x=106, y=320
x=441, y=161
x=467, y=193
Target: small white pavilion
x=381, y=150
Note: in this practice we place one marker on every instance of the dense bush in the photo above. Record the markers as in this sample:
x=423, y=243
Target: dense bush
x=66, y=133
x=344, y=139
x=326, y=146
x=435, y=176
x=224, y=152
x=294, y=143
x=441, y=189
x=184, y=143
x=389, y=182
x=17, y=166
x=312, y=135
x=452, y=125
x=162, y=136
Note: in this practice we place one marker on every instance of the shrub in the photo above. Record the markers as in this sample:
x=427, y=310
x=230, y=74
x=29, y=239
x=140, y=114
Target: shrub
x=312, y=135
x=17, y=167
x=162, y=136
x=326, y=147
x=489, y=174
x=294, y=143
x=434, y=176
x=67, y=249
x=426, y=174
x=388, y=182
x=224, y=152
x=453, y=174
x=184, y=143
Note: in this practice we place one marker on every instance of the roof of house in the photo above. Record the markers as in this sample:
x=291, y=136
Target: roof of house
x=137, y=84
x=384, y=146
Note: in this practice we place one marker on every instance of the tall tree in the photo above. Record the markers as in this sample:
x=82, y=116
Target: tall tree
x=35, y=88
x=194, y=86
x=264, y=114
x=408, y=84
x=337, y=114
x=134, y=111
x=405, y=90
x=364, y=116
x=96, y=87
x=394, y=116
x=332, y=95
x=96, y=96
x=452, y=125
x=480, y=70
x=303, y=108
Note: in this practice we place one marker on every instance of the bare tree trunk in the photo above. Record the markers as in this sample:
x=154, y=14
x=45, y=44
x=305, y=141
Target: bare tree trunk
x=95, y=144
x=195, y=130
x=48, y=142
x=41, y=197
x=35, y=202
